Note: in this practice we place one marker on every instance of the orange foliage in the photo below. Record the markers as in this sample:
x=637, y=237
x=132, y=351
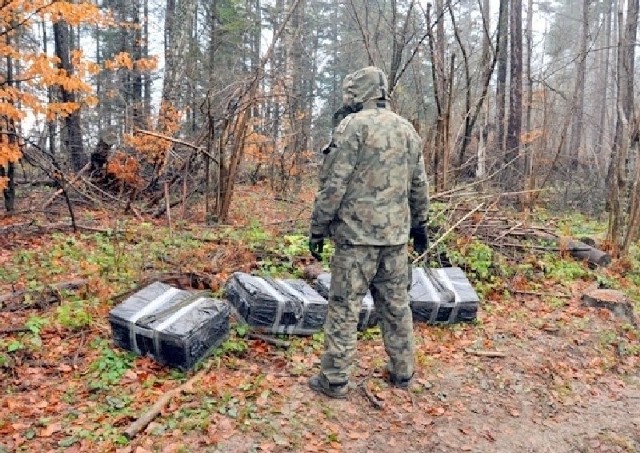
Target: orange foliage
x=121, y=60
x=258, y=148
x=124, y=168
x=155, y=149
x=38, y=71
x=146, y=64
x=529, y=137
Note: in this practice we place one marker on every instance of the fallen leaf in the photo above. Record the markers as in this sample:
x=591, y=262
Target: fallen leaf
x=358, y=436
x=437, y=411
x=489, y=436
x=65, y=368
x=140, y=449
x=51, y=429
x=267, y=446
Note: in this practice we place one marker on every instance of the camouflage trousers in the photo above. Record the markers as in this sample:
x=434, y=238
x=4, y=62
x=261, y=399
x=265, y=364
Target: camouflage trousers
x=354, y=271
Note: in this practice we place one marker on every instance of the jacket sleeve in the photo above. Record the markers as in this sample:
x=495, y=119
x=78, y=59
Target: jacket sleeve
x=419, y=191
x=338, y=169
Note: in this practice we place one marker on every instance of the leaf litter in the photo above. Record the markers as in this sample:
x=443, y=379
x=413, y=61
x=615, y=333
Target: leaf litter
x=563, y=382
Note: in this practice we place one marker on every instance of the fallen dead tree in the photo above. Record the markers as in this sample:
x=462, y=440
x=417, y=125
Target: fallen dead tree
x=39, y=299
x=507, y=234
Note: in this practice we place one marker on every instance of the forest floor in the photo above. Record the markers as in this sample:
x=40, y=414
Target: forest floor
x=566, y=379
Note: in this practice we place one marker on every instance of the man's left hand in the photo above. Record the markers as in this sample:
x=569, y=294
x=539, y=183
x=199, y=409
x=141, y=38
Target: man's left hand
x=316, y=245
x=420, y=239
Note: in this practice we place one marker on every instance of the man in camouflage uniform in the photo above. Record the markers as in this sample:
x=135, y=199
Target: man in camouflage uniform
x=373, y=198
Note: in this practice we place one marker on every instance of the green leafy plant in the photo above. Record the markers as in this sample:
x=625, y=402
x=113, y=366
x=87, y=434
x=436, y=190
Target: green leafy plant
x=236, y=344
x=73, y=315
x=372, y=333
x=110, y=366
x=35, y=324
x=563, y=270
x=480, y=264
x=578, y=224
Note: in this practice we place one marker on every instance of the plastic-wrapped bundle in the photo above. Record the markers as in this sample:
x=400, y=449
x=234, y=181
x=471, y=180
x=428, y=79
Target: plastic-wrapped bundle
x=367, y=317
x=277, y=305
x=175, y=327
x=442, y=296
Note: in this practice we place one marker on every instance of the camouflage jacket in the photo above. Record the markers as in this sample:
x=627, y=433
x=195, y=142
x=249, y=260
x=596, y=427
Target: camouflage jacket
x=373, y=183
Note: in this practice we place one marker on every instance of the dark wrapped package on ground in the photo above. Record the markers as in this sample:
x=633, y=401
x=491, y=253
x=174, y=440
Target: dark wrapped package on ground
x=367, y=317
x=277, y=305
x=175, y=327
x=442, y=296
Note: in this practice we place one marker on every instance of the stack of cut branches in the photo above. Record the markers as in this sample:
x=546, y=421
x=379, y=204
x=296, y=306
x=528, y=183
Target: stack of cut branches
x=514, y=235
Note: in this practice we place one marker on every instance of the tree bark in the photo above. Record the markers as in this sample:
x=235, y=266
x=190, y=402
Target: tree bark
x=528, y=149
x=483, y=111
x=514, y=126
x=578, y=116
x=73, y=138
x=179, y=16
x=503, y=33
x=604, y=128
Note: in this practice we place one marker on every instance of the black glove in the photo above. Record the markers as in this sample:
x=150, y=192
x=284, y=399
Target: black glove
x=316, y=244
x=420, y=239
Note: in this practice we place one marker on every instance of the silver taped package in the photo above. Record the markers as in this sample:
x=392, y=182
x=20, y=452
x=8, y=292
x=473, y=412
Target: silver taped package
x=442, y=296
x=175, y=327
x=277, y=305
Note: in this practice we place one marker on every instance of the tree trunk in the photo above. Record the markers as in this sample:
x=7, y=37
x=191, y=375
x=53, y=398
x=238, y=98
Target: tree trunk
x=616, y=186
x=440, y=89
x=51, y=124
x=514, y=127
x=179, y=17
x=138, y=114
x=604, y=129
x=73, y=138
x=145, y=54
x=483, y=111
x=463, y=167
x=528, y=149
x=633, y=212
x=578, y=117
x=503, y=32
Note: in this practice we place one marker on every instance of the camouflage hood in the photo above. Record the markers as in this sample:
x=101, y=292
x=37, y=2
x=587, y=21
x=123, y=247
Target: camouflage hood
x=347, y=98
x=367, y=84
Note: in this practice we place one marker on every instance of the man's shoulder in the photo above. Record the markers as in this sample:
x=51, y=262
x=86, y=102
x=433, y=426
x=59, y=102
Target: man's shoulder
x=377, y=117
x=374, y=115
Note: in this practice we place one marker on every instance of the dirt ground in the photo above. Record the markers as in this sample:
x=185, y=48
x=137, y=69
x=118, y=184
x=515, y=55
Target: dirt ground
x=563, y=386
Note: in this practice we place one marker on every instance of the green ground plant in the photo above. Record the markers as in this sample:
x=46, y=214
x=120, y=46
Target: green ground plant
x=110, y=366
